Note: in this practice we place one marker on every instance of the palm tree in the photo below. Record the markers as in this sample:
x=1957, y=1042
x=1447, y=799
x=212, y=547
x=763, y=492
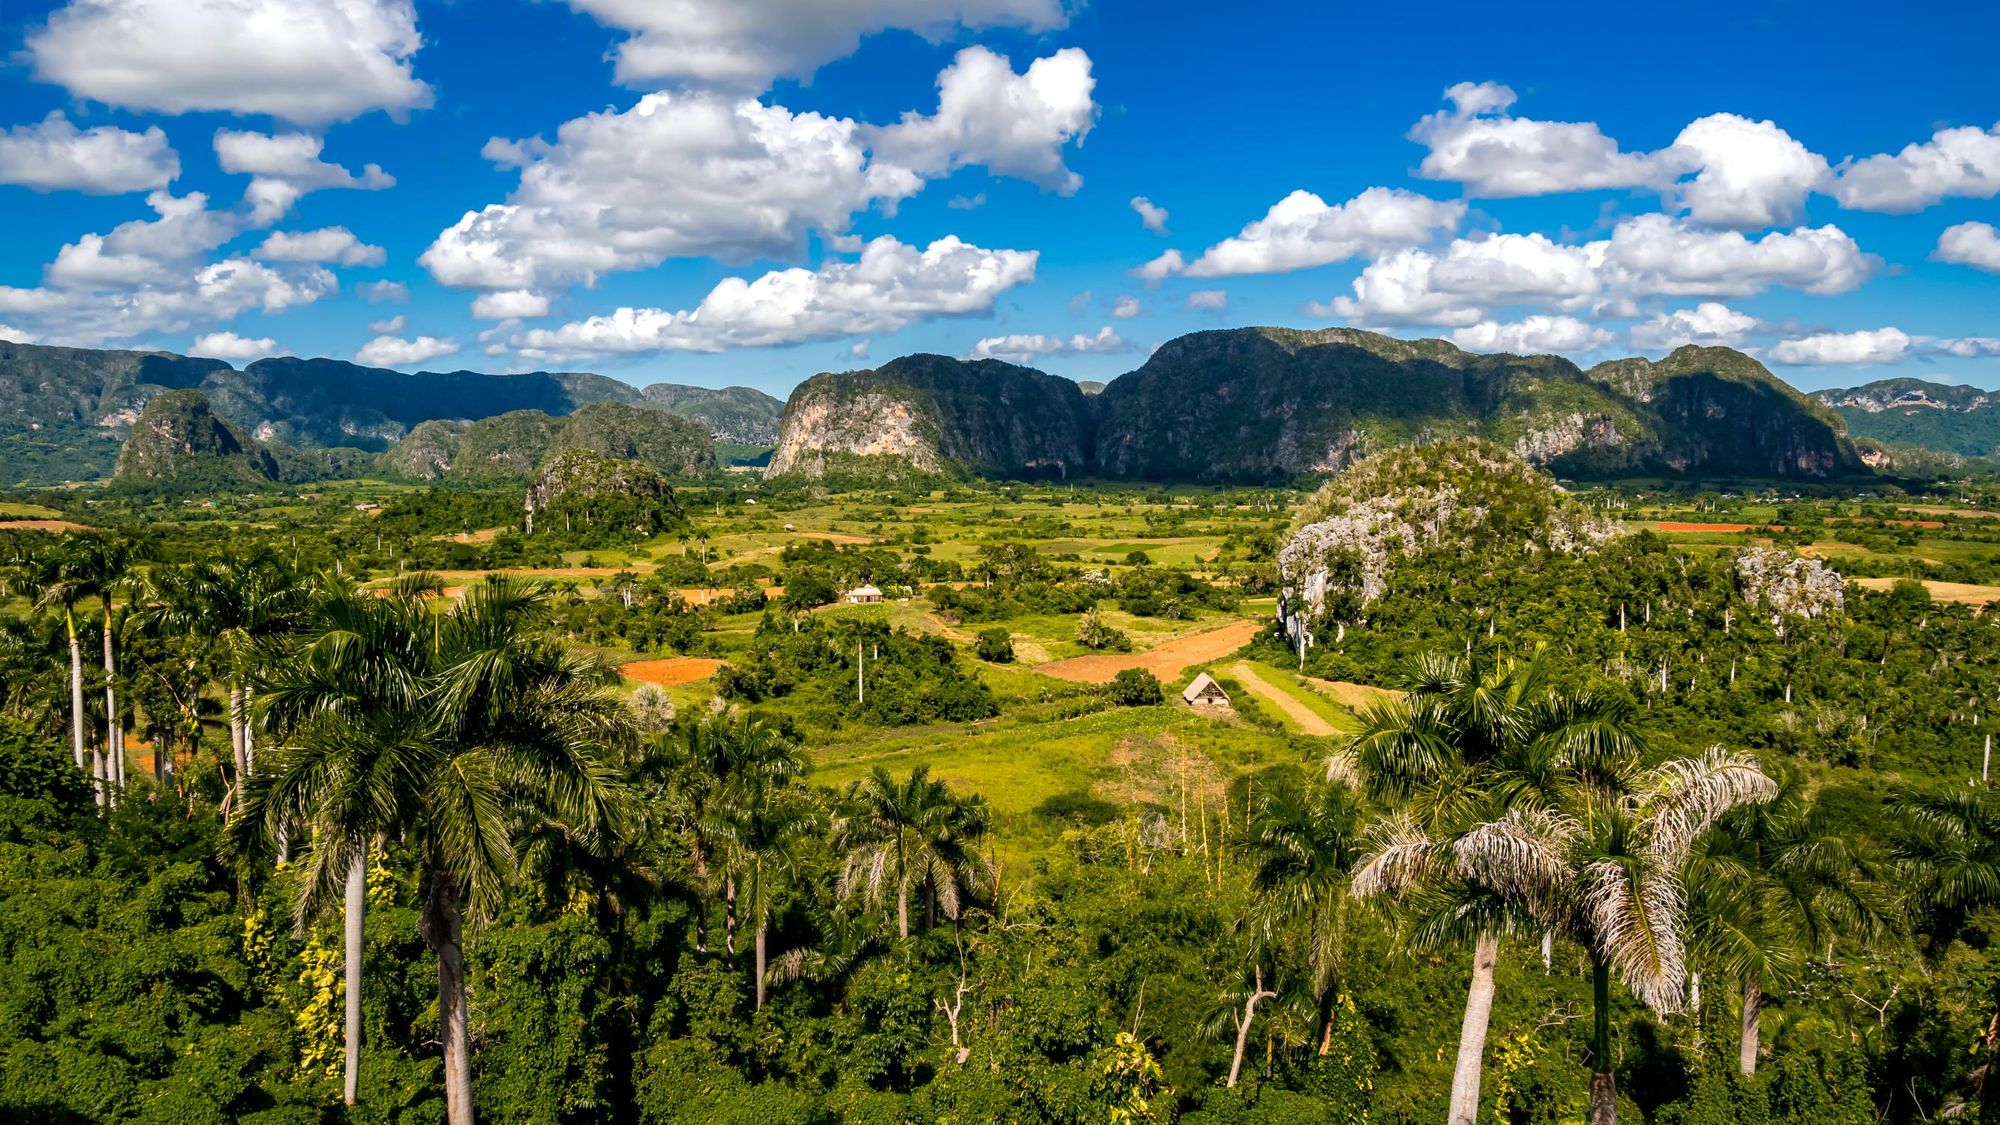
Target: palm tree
x=53, y=578
x=1947, y=853
x=100, y=567
x=764, y=828
x=1770, y=886
x=1306, y=848
x=899, y=836
x=347, y=694
x=506, y=728
x=1462, y=745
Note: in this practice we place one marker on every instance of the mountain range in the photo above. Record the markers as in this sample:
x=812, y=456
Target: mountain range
x=1264, y=404
x=1957, y=420
x=1233, y=405
x=64, y=411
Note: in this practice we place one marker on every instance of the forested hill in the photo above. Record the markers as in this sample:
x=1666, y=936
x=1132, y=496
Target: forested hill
x=1259, y=404
x=1945, y=419
x=63, y=411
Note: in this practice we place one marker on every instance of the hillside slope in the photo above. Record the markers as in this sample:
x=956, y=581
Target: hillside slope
x=1960, y=420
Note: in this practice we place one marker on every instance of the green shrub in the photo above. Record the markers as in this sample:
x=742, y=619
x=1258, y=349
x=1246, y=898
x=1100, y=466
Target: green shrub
x=1135, y=687
x=994, y=646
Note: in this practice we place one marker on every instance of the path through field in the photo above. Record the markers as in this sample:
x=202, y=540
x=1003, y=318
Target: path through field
x=1167, y=660
x=42, y=525
x=1308, y=720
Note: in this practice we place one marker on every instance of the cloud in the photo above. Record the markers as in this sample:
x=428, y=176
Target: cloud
x=891, y=285
x=1166, y=265
x=13, y=335
x=144, y=251
x=1302, y=230
x=1534, y=335
x=1970, y=244
x=1152, y=218
x=1954, y=162
x=1497, y=155
x=1745, y=174
x=1207, y=300
x=859, y=348
x=1015, y=125
x=393, y=351
x=1079, y=303
x=509, y=304
x=745, y=45
x=284, y=167
x=700, y=175
x=1882, y=345
x=1025, y=349
x=1971, y=347
x=54, y=155
x=228, y=345
x=1648, y=255
x=384, y=292
x=1125, y=307
x=327, y=244
x=967, y=202
x=309, y=61
x=391, y=327
x=1710, y=323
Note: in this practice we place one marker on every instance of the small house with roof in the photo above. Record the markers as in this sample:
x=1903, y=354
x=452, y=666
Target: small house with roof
x=864, y=595
x=1205, y=692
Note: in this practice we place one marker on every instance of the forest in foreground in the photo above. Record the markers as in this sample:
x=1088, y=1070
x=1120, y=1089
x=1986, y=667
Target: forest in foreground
x=1664, y=806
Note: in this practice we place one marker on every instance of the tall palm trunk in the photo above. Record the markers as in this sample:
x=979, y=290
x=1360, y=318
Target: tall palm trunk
x=1603, y=1083
x=238, y=738
x=1472, y=1031
x=1753, y=1008
x=762, y=926
x=114, y=737
x=444, y=929
x=356, y=906
x=75, y=694
x=729, y=919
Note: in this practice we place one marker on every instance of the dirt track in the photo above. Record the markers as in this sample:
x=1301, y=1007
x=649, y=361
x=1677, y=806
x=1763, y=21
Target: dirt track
x=43, y=525
x=1307, y=719
x=1167, y=660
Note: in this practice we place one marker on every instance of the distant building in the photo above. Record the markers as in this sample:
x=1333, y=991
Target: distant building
x=864, y=595
x=1205, y=692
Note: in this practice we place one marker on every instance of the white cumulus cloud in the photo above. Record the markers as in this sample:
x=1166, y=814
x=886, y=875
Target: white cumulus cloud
x=1710, y=323
x=1303, y=230
x=383, y=292
x=284, y=166
x=327, y=244
x=228, y=345
x=1153, y=218
x=394, y=351
x=393, y=326
x=702, y=175
x=1881, y=345
x=891, y=285
x=745, y=45
x=1533, y=335
x=1963, y=161
x=1496, y=155
x=1027, y=348
x=1207, y=300
x=1126, y=307
x=54, y=155
x=1166, y=265
x=309, y=61
x=509, y=304
x=1970, y=244
x=1747, y=174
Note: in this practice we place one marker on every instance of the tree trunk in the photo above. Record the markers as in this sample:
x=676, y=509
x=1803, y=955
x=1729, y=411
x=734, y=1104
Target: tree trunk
x=1257, y=993
x=729, y=918
x=902, y=911
x=1603, y=1083
x=1753, y=1007
x=762, y=926
x=357, y=905
x=1472, y=1032
x=114, y=743
x=445, y=931
x=76, y=699
x=238, y=738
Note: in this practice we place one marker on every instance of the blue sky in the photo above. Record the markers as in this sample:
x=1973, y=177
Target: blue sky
x=752, y=191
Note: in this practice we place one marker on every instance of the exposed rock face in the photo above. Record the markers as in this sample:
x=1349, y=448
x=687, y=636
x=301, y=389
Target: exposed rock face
x=741, y=415
x=1716, y=411
x=583, y=487
x=178, y=442
x=515, y=444
x=1788, y=585
x=934, y=413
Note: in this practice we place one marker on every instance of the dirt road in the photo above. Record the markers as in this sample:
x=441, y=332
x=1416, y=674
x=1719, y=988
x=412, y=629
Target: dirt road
x=1167, y=660
x=1307, y=719
x=671, y=671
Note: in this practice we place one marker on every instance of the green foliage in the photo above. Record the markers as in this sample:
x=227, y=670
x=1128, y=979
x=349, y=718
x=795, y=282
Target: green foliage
x=1095, y=632
x=1135, y=687
x=994, y=646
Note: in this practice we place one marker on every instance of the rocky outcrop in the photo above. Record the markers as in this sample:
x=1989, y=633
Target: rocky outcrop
x=934, y=414
x=518, y=443
x=585, y=490
x=1912, y=415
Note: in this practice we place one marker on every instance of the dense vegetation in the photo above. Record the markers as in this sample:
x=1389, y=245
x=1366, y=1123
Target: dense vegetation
x=1644, y=788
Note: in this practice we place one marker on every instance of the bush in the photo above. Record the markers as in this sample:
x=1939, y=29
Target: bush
x=1078, y=806
x=994, y=646
x=1135, y=687
x=1094, y=632
x=1138, y=558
